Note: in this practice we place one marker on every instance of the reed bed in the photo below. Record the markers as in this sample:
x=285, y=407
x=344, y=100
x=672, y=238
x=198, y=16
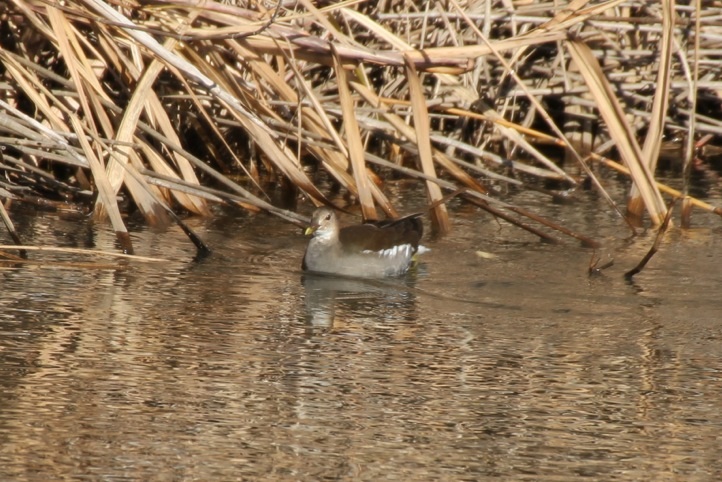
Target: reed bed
x=170, y=106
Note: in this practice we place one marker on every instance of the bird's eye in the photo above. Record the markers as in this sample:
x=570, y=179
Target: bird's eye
x=328, y=216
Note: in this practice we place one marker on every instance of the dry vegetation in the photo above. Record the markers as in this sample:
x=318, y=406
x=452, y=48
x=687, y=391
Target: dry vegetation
x=171, y=106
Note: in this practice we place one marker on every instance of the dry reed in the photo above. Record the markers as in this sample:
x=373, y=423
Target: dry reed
x=175, y=106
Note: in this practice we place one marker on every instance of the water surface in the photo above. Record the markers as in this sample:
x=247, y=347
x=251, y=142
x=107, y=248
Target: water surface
x=239, y=367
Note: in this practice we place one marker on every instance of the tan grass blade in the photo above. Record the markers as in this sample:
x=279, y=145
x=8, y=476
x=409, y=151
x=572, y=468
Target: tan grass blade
x=323, y=20
x=514, y=135
x=153, y=210
x=257, y=129
x=378, y=30
x=89, y=160
x=314, y=119
x=690, y=147
x=619, y=129
x=35, y=90
x=89, y=93
x=409, y=133
x=105, y=190
x=201, y=62
x=439, y=215
x=317, y=121
x=244, y=195
x=353, y=138
x=570, y=11
x=572, y=14
x=184, y=168
x=452, y=60
x=539, y=108
x=106, y=197
x=655, y=131
x=144, y=98
x=156, y=111
x=73, y=45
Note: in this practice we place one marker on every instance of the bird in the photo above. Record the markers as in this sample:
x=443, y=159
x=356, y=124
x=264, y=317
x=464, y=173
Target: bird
x=374, y=249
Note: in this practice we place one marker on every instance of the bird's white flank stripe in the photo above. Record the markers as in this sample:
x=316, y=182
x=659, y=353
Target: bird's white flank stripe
x=405, y=250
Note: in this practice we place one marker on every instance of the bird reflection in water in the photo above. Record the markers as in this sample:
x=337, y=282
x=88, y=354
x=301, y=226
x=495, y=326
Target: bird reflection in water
x=386, y=299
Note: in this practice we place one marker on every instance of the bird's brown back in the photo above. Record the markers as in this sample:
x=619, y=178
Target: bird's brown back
x=381, y=235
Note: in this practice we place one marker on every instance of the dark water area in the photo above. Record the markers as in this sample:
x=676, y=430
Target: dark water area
x=498, y=358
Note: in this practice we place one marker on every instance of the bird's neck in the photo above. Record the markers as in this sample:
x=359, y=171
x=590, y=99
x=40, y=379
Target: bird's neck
x=326, y=237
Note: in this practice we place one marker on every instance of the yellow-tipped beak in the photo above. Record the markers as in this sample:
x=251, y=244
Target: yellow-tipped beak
x=309, y=231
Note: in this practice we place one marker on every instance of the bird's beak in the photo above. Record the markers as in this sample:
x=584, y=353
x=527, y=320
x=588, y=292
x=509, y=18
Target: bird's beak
x=310, y=230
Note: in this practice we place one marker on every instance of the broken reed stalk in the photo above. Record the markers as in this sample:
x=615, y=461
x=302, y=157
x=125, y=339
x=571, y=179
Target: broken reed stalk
x=655, y=130
x=353, y=139
x=11, y=229
x=690, y=151
x=595, y=268
x=619, y=128
x=655, y=246
x=439, y=215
